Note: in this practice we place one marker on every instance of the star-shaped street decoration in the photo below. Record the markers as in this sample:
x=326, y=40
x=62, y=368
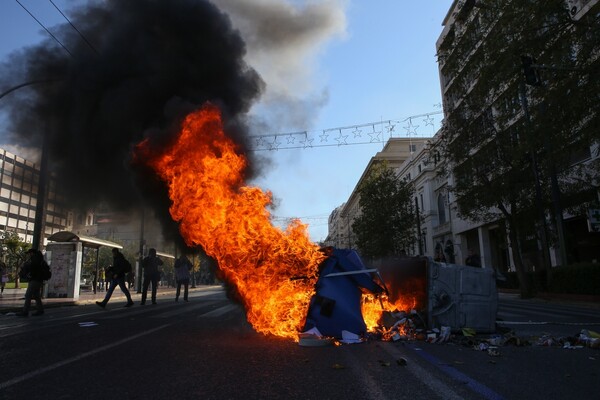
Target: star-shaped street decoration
x=410, y=128
x=374, y=136
x=307, y=142
x=260, y=141
x=356, y=132
x=428, y=120
x=341, y=139
x=324, y=137
x=275, y=145
x=291, y=139
x=390, y=128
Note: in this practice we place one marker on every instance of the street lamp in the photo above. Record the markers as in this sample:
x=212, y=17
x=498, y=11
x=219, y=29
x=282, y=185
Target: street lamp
x=40, y=206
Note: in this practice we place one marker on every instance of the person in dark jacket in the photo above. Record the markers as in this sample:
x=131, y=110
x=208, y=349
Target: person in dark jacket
x=150, y=265
x=33, y=269
x=116, y=276
x=183, y=266
x=473, y=259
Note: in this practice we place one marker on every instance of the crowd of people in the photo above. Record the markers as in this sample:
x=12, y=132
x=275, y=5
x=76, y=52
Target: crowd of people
x=35, y=271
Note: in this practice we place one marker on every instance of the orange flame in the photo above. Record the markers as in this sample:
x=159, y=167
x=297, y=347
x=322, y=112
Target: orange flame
x=373, y=307
x=204, y=173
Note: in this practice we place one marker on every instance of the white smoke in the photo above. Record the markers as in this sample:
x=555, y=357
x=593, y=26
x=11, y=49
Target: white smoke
x=284, y=40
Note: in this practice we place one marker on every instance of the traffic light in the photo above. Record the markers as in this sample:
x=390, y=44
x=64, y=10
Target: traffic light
x=532, y=77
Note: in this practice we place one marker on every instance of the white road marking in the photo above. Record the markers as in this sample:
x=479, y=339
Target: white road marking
x=59, y=364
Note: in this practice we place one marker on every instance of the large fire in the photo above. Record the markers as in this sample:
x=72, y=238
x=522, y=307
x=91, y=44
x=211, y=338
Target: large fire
x=273, y=271
x=205, y=176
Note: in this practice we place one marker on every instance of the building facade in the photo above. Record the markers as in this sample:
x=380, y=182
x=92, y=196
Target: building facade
x=18, y=199
x=444, y=233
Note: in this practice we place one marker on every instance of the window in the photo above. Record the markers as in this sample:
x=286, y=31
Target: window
x=441, y=209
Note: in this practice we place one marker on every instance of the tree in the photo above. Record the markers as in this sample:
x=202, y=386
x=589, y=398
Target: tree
x=386, y=224
x=14, y=250
x=506, y=140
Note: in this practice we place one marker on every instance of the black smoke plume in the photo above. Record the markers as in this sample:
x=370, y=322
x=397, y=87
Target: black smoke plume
x=136, y=69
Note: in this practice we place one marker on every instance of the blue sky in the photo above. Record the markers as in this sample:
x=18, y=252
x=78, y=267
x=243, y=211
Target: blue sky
x=376, y=63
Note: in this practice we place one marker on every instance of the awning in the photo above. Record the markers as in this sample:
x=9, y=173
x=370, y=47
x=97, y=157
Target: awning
x=66, y=236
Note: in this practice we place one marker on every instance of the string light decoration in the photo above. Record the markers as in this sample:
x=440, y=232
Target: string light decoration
x=422, y=125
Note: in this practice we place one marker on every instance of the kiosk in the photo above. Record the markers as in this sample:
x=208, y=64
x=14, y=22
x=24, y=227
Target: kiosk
x=64, y=253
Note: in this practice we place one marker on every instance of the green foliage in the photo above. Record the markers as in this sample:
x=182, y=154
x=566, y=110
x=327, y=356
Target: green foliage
x=387, y=223
x=563, y=111
x=503, y=136
x=13, y=251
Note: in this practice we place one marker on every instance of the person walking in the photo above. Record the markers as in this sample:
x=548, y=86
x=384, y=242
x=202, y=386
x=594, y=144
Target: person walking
x=101, y=275
x=33, y=269
x=116, y=274
x=183, y=266
x=150, y=265
x=3, y=277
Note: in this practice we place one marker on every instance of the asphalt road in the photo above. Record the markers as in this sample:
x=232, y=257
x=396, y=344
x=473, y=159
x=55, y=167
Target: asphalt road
x=205, y=349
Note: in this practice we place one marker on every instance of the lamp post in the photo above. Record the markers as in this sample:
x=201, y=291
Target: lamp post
x=40, y=206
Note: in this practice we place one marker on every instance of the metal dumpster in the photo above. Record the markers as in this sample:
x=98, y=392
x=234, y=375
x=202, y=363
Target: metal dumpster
x=451, y=295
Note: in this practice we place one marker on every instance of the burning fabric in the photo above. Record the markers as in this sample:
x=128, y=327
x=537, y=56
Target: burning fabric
x=336, y=306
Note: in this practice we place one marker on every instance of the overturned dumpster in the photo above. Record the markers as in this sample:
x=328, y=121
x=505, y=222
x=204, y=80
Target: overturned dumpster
x=336, y=306
x=450, y=295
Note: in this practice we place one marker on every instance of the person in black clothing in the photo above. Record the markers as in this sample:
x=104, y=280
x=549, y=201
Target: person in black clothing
x=150, y=265
x=116, y=276
x=33, y=268
x=183, y=266
x=473, y=259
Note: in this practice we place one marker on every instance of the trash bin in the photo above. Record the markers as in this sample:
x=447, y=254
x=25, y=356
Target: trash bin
x=451, y=295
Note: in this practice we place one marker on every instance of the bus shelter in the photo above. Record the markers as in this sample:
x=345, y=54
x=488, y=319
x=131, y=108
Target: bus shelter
x=64, y=253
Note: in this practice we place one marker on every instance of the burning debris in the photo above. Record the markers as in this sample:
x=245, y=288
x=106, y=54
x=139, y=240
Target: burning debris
x=145, y=70
x=335, y=309
x=408, y=298
x=204, y=171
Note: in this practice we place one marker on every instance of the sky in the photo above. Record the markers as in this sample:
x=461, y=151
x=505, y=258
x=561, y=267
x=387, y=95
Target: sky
x=336, y=71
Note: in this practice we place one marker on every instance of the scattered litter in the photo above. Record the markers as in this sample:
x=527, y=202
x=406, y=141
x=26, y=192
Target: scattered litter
x=384, y=363
x=350, y=338
x=496, y=340
x=482, y=346
x=314, y=338
x=568, y=345
x=401, y=361
x=337, y=366
x=468, y=332
x=493, y=351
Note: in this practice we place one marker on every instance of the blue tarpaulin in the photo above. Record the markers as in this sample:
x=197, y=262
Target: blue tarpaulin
x=336, y=304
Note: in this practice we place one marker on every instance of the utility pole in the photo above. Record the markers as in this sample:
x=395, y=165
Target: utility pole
x=141, y=257
x=42, y=194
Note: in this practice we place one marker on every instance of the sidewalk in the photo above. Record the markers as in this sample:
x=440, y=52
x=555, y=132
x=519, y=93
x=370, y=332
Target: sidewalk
x=12, y=300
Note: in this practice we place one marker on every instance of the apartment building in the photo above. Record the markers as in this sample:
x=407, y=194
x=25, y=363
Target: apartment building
x=445, y=233
x=508, y=111
x=395, y=152
x=18, y=199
